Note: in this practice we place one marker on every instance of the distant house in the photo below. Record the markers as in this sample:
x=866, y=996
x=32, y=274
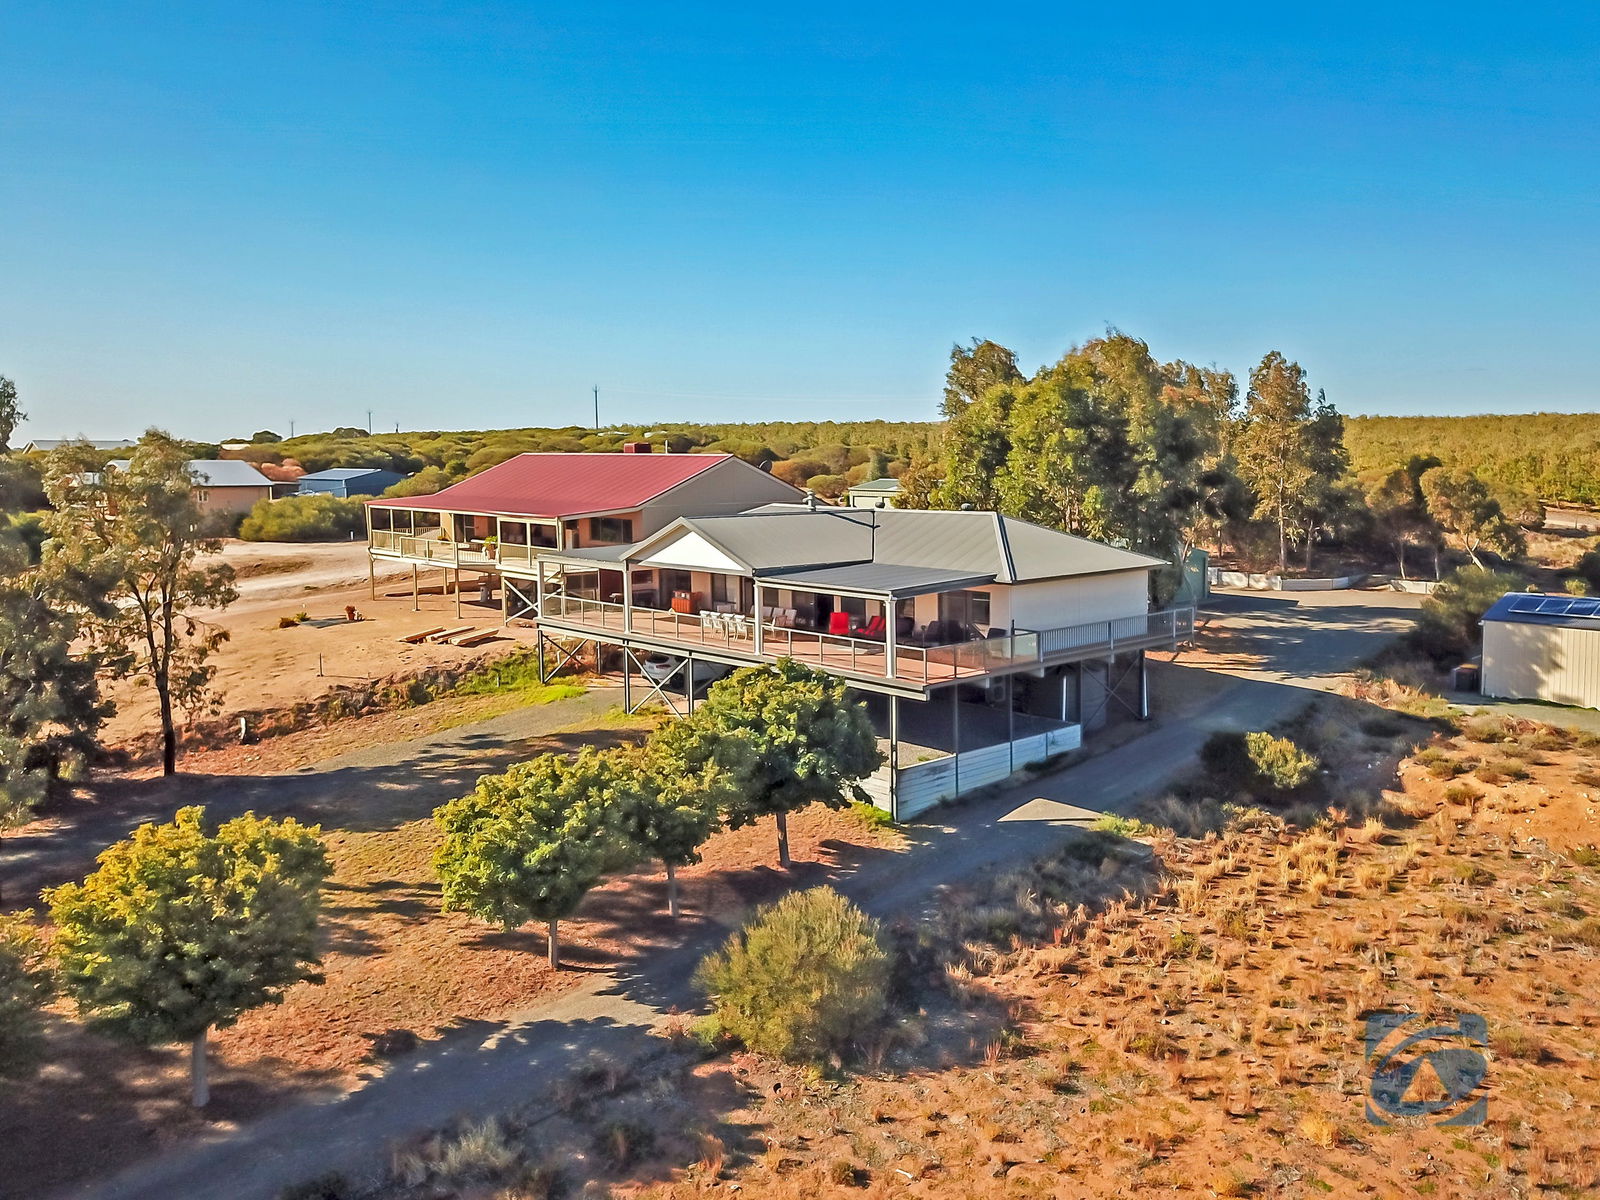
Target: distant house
x=1538, y=647
x=874, y=493
x=227, y=485
x=345, y=482
x=45, y=445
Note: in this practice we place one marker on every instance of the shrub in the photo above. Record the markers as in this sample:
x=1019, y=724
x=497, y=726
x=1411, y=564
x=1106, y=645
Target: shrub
x=1447, y=626
x=318, y=518
x=1257, y=760
x=803, y=980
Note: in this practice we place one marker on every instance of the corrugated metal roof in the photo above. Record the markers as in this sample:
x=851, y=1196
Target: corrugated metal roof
x=789, y=537
x=1536, y=608
x=336, y=473
x=885, y=485
x=564, y=485
x=216, y=472
x=891, y=579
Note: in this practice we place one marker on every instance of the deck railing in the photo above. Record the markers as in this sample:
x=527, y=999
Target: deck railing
x=867, y=656
x=1144, y=629
x=432, y=548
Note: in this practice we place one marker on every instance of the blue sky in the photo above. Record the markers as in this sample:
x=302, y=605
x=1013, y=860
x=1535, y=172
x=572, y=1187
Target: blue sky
x=224, y=217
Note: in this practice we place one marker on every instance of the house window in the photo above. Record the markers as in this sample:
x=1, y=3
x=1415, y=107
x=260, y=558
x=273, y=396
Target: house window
x=675, y=581
x=610, y=529
x=720, y=592
x=856, y=606
x=967, y=608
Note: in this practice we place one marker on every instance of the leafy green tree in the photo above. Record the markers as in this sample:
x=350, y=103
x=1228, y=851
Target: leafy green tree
x=264, y=437
x=974, y=369
x=179, y=931
x=1448, y=625
x=530, y=843
x=133, y=539
x=666, y=808
x=920, y=483
x=1274, y=443
x=787, y=736
x=26, y=982
x=10, y=413
x=50, y=706
x=1399, y=513
x=1464, y=508
x=806, y=978
x=977, y=445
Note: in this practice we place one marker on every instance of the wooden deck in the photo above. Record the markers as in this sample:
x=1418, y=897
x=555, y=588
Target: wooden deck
x=860, y=657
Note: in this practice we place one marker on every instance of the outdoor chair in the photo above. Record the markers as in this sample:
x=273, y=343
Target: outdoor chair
x=839, y=624
x=873, y=629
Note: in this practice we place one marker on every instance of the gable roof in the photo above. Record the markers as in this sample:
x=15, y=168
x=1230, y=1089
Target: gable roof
x=566, y=485
x=787, y=538
x=216, y=472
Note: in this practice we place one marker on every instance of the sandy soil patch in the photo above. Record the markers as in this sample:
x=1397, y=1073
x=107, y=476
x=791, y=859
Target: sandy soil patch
x=263, y=666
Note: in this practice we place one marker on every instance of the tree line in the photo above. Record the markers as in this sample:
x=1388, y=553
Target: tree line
x=1110, y=443
x=1550, y=456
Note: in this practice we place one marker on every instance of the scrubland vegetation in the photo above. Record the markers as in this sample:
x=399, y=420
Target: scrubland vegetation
x=1172, y=1006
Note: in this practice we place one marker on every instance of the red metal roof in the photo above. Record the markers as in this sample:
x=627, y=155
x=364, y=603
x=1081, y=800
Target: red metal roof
x=563, y=485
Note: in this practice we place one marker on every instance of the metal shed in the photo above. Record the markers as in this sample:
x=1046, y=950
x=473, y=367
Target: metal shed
x=345, y=482
x=1538, y=647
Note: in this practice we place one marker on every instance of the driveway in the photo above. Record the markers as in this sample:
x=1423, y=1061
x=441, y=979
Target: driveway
x=1275, y=654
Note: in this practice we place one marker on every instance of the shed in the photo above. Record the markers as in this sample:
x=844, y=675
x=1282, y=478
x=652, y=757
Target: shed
x=345, y=482
x=1538, y=647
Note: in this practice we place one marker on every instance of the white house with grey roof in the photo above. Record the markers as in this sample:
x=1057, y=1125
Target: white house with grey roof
x=934, y=616
x=222, y=485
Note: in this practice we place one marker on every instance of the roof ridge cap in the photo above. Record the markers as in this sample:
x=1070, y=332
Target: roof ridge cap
x=1005, y=547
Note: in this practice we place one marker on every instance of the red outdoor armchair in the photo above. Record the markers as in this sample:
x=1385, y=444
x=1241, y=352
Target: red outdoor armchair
x=872, y=629
x=839, y=623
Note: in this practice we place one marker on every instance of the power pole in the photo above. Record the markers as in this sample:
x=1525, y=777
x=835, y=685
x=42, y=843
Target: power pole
x=369, y=422
x=597, y=408
x=291, y=430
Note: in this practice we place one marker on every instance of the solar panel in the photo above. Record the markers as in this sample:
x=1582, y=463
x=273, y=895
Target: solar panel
x=1529, y=605
x=1554, y=606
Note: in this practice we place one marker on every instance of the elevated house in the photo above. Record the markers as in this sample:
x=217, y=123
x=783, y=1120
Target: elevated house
x=494, y=524
x=981, y=643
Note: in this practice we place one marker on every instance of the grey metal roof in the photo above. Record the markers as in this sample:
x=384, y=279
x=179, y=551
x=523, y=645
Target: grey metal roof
x=596, y=554
x=789, y=536
x=216, y=472
x=1535, y=608
x=886, y=485
x=348, y=473
x=890, y=579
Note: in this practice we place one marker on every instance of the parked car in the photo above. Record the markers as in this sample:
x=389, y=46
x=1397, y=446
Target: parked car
x=660, y=667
